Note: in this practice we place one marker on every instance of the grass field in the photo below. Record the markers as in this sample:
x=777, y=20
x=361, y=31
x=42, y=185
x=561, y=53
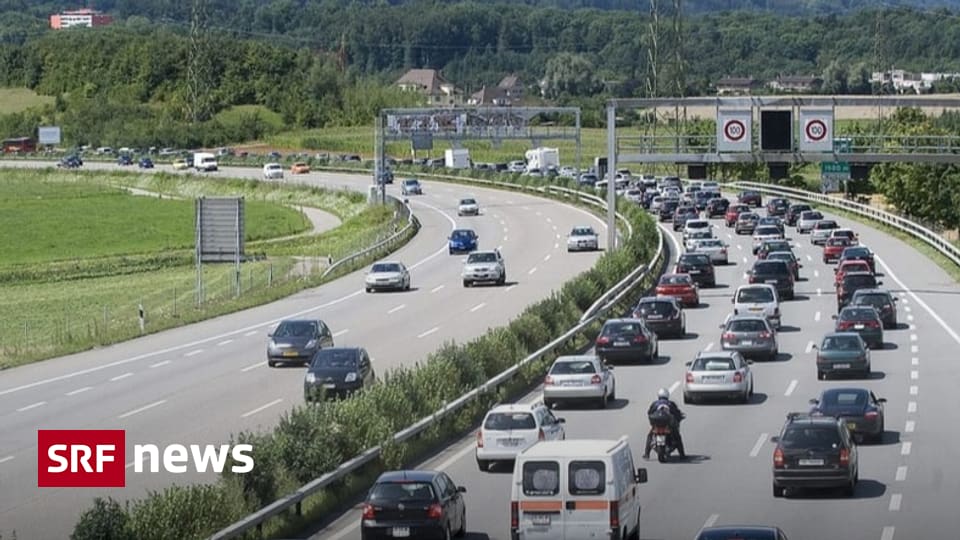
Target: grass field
x=233, y=115
x=14, y=100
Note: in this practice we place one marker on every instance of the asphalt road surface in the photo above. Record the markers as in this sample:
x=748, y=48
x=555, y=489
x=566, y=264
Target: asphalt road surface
x=201, y=383
x=908, y=484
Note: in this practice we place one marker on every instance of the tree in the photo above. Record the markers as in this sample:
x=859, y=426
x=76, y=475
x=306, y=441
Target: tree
x=571, y=74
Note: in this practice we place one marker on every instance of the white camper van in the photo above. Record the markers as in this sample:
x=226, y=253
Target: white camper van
x=204, y=161
x=542, y=159
x=576, y=490
x=456, y=158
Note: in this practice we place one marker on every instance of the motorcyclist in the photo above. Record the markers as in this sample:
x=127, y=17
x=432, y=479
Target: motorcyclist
x=663, y=401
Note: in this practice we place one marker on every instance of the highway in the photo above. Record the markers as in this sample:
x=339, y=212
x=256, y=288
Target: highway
x=201, y=383
x=908, y=484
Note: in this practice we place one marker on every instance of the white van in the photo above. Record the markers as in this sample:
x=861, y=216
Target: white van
x=272, y=171
x=583, y=489
x=758, y=299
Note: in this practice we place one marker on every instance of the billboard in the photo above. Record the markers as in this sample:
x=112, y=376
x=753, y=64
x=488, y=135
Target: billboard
x=48, y=135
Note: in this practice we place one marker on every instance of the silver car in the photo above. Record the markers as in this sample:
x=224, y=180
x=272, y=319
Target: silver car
x=468, y=207
x=715, y=248
x=807, y=220
x=822, y=230
x=718, y=374
x=391, y=275
x=583, y=238
x=579, y=378
x=763, y=233
x=484, y=266
x=750, y=335
x=695, y=237
x=758, y=299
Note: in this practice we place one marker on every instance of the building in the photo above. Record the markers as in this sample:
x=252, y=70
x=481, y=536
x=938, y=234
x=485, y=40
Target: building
x=436, y=90
x=490, y=96
x=81, y=17
x=737, y=86
x=19, y=145
x=796, y=83
x=512, y=88
x=904, y=81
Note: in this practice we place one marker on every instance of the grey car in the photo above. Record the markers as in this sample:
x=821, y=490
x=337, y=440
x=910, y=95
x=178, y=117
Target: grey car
x=296, y=341
x=387, y=275
x=723, y=374
x=842, y=352
x=750, y=335
x=338, y=372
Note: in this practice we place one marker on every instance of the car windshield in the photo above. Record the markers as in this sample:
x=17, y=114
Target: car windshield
x=385, y=267
x=482, y=258
x=582, y=231
x=807, y=216
x=576, y=367
x=402, y=491
x=811, y=437
x=857, y=314
x=335, y=358
x=508, y=421
x=845, y=234
x=713, y=364
x=767, y=231
x=675, y=280
x=621, y=329
x=755, y=295
x=770, y=267
x=468, y=201
x=296, y=329
x=859, y=266
x=464, y=235
x=411, y=182
x=840, y=343
x=698, y=224
x=655, y=308
x=754, y=325
x=843, y=398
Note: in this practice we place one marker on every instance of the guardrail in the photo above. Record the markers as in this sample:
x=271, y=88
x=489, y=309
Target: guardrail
x=295, y=499
x=916, y=230
x=412, y=222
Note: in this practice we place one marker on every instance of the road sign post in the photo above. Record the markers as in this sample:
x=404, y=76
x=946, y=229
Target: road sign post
x=833, y=174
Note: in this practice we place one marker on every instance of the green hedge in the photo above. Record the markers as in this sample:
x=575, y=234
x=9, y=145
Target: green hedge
x=312, y=440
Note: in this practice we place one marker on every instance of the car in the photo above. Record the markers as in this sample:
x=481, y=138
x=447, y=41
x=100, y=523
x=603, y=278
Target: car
x=694, y=238
x=760, y=299
x=881, y=300
x=297, y=340
x=846, y=233
x=842, y=352
x=634, y=195
x=772, y=221
x=386, y=175
x=859, y=253
x=679, y=286
x=814, y=452
x=719, y=374
x=750, y=198
x=299, y=168
x=851, y=283
x=699, y=267
x=741, y=532
x=821, y=231
x=273, y=171
x=626, y=339
x=414, y=504
x=776, y=273
x=859, y=408
x=702, y=198
x=468, y=207
x=124, y=160
x=750, y=335
x=511, y=428
x=733, y=212
x=145, y=163
x=663, y=315
x=683, y=215
x=70, y=162
x=181, y=164
x=864, y=320
x=411, y=186
x=846, y=267
x=579, y=378
x=746, y=223
x=462, y=241
x=788, y=257
x=793, y=213
x=484, y=266
x=337, y=372
x=667, y=209
x=807, y=220
x=833, y=247
x=583, y=238
x=697, y=225
x=715, y=248
x=769, y=246
x=763, y=233
x=777, y=206
x=717, y=207
x=655, y=203
x=387, y=275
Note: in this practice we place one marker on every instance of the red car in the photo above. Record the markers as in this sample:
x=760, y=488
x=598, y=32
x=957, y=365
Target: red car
x=854, y=265
x=681, y=287
x=834, y=248
x=733, y=212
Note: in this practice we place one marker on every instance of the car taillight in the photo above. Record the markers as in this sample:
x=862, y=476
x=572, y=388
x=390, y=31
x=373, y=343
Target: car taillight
x=514, y=514
x=778, y=458
x=480, y=439
x=765, y=335
x=844, y=325
x=738, y=377
x=541, y=436
x=640, y=339
x=728, y=336
x=844, y=457
x=435, y=511
x=887, y=306
x=603, y=340
x=723, y=250
x=595, y=379
x=689, y=377
x=615, y=515
x=754, y=279
x=870, y=415
x=548, y=380
x=369, y=512
x=873, y=324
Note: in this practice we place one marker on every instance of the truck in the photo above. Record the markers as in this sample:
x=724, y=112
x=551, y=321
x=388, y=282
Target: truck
x=456, y=158
x=541, y=159
x=204, y=161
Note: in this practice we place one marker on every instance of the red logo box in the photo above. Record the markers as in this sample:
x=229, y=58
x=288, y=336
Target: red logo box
x=81, y=458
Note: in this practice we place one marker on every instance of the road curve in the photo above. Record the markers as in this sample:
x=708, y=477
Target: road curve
x=200, y=383
x=908, y=483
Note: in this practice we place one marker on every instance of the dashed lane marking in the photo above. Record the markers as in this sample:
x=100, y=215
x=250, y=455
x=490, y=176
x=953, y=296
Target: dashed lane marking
x=396, y=309
x=895, y=501
x=816, y=317
x=709, y=346
x=478, y=307
x=556, y=245
x=261, y=408
x=711, y=520
x=915, y=361
x=905, y=448
x=344, y=331
x=913, y=337
x=914, y=349
x=437, y=288
x=428, y=332
x=912, y=407
x=252, y=367
x=510, y=288
x=816, y=273
x=78, y=391
x=121, y=377
x=193, y=353
x=159, y=364
x=224, y=342
x=5, y=459
x=809, y=347
x=142, y=409
x=547, y=258
x=901, y=473
x=819, y=291
x=910, y=426
x=809, y=258
x=674, y=386
x=32, y=406
x=532, y=270
x=250, y=333
x=760, y=441
x=791, y=387
x=914, y=390
x=887, y=533
x=914, y=374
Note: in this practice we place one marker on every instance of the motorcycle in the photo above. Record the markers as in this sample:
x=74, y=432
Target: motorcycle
x=663, y=440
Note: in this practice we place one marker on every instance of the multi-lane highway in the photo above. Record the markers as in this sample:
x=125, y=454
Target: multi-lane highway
x=908, y=484
x=199, y=384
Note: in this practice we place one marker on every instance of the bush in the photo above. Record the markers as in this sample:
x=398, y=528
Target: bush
x=107, y=520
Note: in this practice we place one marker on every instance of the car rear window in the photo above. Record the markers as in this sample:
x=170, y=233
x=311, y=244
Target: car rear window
x=812, y=437
x=859, y=281
x=582, y=231
x=698, y=225
x=402, y=491
x=508, y=421
x=755, y=295
x=747, y=326
x=587, y=477
x=770, y=267
x=807, y=216
x=857, y=314
x=824, y=224
x=713, y=364
x=573, y=368
x=872, y=299
x=675, y=280
x=841, y=343
x=737, y=534
x=541, y=478
x=694, y=260
x=844, y=399
x=767, y=230
x=381, y=267
x=655, y=308
x=620, y=329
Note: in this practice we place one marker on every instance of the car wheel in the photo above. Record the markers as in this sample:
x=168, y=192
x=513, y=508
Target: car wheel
x=549, y=403
x=821, y=375
x=451, y=252
x=603, y=401
x=778, y=491
x=878, y=437
x=850, y=489
x=463, y=524
x=466, y=283
x=613, y=393
x=503, y=279
x=745, y=398
x=271, y=363
x=407, y=286
x=369, y=289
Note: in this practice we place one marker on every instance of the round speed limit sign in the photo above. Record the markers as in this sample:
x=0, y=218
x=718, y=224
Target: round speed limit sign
x=734, y=130
x=816, y=130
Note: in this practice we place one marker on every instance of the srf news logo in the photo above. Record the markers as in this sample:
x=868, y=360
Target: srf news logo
x=96, y=458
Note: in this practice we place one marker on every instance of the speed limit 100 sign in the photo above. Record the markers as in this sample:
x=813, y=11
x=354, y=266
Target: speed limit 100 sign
x=734, y=130
x=816, y=130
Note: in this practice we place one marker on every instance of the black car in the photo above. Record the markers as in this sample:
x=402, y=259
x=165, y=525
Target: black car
x=853, y=282
x=750, y=198
x=859, y=408
x=145, y=163
x=814, y=452
x=777, y=207
x=863, y=320
x=414, y=504
x=717, y=208
x=700, y=268
x=793, y=213
x=882, y=301
x=627, y=339
x=337, y=372
x=124, y=160
x=859, y=253
x=662, y=314
x=70, y=162
x=667, y=209
x=296, y=341
x=683, y=215
x=776, y=273
x=741, y=532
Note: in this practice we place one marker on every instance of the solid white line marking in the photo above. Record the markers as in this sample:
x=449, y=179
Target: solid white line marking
x=920, y=301
x=914, y=374
x=532, y=270
x=160, y=364
x=809, y=258
x=144, y=408
x=910, y=426
x=250, y=333
x=342, y=332
x=437, y=288
x=558, y=236
x=510, y=288
x=901, y=473
x=5, y=459
x=674, y=386
x=252, y=367
x=224, y=342
x=32, y=406
x=194, y=353
x=914, y=348
x=121, y=377
x=261, y=408
x=756, y=448
x=396, y=309
x=791, y=387
x=912, y=407
x=816, y=273
x=895, y=501
x=79, y=391
x=887, y=533
x=709, y=346
x=711, y=520
x=915, y=361
x=478, y=307
x=428, y=332
x=819, y=291
x=547, y=258
x=809, y=347
x=914, y=390
x=816, y=317
x=905, y=449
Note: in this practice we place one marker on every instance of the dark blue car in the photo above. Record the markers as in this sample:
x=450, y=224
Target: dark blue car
x=463, y=241
x=70, y=162
x=124, y=160
x=145, y=163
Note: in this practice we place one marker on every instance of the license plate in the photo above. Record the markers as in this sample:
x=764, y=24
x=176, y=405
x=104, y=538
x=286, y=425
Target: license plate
x=329, y=386
x=289, y=353
x=851, y=426
x=573, y=383
x=714, y=378
x=858, y=327
x=771, y=282
x=654, y=317
x=693, y=271
x=400, y=532
x=509, y=442
x=620, y=343
x=661, y=439
x=746, y=342
x=811, y=462
x=841, y=366
x=540, y=519
x=756, y=309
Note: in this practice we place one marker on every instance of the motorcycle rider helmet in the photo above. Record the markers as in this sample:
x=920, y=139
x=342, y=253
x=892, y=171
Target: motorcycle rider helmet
x=663, y=393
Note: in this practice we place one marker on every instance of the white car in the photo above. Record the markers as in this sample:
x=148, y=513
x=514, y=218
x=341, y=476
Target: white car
x=634, y=195
x=517, y=167
x=763, y=233
x=389, y=275
x=696, y=225
x=569, y=172
x=484, y=266
x=715, y=248
x=712, y=187
x=583, y=239
x=718, y=374
x=822, y=230
x=468, y=207
x=656, y=203
x=510, y=429
x=758, y=299
x=807, y=220
x=273, y=171
x=695, y=237
x=579, y=378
